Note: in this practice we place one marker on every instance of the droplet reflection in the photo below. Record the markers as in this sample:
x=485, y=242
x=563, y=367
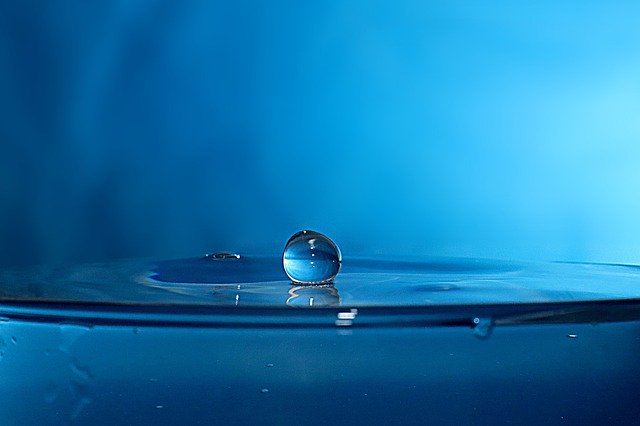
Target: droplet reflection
x=313, y=296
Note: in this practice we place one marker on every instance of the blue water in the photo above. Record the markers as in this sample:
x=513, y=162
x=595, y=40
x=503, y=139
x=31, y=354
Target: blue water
x=205, y=341
x=260, y=281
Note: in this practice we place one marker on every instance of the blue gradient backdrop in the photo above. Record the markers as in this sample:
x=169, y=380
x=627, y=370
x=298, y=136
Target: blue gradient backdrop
x=450, y=128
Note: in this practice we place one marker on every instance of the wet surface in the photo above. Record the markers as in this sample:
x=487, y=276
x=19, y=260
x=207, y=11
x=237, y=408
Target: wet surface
x=259, y=281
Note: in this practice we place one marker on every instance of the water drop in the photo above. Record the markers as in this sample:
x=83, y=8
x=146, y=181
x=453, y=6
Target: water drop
x=222, y=255
x=311, y=258
x=264, y=390
x=572, y=336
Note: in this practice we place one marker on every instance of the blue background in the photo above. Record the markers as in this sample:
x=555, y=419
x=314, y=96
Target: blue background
x=450, y=128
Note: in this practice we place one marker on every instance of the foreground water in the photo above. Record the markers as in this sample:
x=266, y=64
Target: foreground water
x=231, y=340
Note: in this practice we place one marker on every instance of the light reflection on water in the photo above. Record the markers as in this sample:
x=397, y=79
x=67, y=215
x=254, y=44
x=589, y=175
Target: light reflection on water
x=259, y=281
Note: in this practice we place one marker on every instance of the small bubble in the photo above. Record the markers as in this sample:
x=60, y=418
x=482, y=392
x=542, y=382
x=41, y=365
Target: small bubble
x=222, y=255
x=483, y=327
x=269, y=365
x=135, y=330
x=311, y=258
x=572, y=336
x=14, y=340
x=264, y=390
x=158, y=407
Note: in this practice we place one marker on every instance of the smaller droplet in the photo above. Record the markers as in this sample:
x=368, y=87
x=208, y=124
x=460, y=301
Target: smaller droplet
x=158, y=407
x=269, y=365
x=572, y=336
x=483, y=327
x=14, y=340
x=223, y=255
x=311, y=258
x=264, y=390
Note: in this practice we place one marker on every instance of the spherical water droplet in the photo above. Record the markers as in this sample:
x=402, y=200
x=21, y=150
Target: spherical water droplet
x=311, y=258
